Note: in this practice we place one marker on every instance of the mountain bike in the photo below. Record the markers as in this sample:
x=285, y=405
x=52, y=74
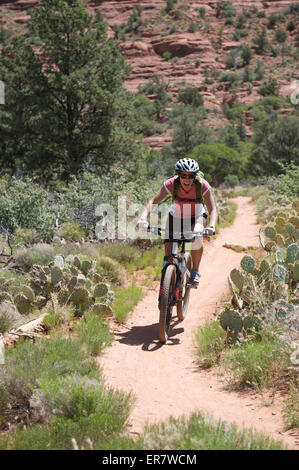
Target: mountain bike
x=175, y=282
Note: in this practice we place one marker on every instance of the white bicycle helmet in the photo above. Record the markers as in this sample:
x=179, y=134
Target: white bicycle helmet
x=186, y=164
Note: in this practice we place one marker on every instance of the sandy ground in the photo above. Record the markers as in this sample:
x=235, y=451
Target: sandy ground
x=165, y=379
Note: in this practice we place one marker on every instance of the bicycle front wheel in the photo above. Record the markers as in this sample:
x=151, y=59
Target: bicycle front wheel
x=184, y=292
x=166, y=301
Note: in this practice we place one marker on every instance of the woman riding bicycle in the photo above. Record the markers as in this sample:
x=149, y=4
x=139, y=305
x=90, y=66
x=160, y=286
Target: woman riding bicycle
x=190, y=192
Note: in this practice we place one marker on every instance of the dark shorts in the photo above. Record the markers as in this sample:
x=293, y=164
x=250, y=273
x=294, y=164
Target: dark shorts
x=177, y=225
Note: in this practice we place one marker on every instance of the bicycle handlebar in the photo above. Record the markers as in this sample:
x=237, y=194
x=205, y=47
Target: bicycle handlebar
x=186, y=235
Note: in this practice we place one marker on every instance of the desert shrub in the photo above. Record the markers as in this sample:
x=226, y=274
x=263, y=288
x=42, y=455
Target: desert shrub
x=269, y=88
x=125, y=300
x=287, y=182
x=217, y=160
x=210, y=342
x=8, y=316
x=190, y=96
x=71, y=231
x=24, y=204
x=110, y=270
x=256, y=363
x=55, y=381
x=291, y=407
x=94, y=333
x=204, y=433
x=122, y=253
x=41, y=253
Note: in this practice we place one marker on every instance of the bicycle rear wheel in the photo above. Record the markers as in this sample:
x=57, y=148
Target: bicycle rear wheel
x=166, y=299
x=184, y=292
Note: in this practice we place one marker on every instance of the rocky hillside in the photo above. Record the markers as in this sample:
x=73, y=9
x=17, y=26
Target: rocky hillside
x=200, y=44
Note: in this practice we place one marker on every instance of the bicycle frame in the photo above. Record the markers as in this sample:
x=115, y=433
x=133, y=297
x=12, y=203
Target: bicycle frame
x=177, y=260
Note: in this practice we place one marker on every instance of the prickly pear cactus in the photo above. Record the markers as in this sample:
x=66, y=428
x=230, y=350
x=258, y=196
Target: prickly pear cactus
x=59, y=261
x=22, y=304
x=29, y=294
x=262, y=238
x=101, y=290
x=102, y=309
x=280, y=273
x=294, y=221
x=270, y=246
x=292, y=252
x=248, y=264
x=85, y=266
x=237, y=278
x=56, y=275
x=80, y=296
x=290, y=229
x=270, y=232
x=63, y=296
x=231, y=320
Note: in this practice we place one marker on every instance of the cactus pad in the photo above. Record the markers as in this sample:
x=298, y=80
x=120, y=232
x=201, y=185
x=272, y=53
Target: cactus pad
x=248, y=263
x=77, y=262
x=28, y=292
x=85, y=266
x=22, y=303
x=279, y=273
x=81, y=279
x=56, y=275
x=292, y=251
x=270, y=232
x=63, y=296
x=295, y=271
x=262, y=238
x=73, y=282
x=80, y=296
x=250, y=322
x=280, y=221
x=231, y=319
x=101, y=290
x=270, y=246
x=290, y=229
x=102, y=309
x=294, y=221
x=59, y=261
x=280, y=240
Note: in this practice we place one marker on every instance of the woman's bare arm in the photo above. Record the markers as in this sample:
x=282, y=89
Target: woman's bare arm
x=211, y=206
x=158, y=197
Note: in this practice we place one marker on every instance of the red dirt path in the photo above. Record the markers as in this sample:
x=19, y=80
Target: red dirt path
x=166, y=380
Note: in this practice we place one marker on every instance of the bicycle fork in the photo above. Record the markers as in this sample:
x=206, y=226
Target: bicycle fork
x=177, y=265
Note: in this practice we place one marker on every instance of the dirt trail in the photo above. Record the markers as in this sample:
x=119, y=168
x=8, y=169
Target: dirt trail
x=166, y=380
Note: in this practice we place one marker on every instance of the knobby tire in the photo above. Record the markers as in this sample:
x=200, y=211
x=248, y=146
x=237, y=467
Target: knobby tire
x=165, y=307
x=184, y=293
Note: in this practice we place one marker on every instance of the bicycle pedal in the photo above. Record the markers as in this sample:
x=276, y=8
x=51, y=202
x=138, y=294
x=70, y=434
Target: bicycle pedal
x=192, y=285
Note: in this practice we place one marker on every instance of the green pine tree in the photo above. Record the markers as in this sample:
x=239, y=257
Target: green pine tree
x=69, y=96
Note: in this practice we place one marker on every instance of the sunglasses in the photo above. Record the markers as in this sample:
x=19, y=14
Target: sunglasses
x=187, y=177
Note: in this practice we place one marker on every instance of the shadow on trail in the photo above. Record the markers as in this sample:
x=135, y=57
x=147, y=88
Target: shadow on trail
x=147, y=336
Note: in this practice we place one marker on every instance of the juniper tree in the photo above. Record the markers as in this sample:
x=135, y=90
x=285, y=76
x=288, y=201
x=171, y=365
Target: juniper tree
x=68, y=96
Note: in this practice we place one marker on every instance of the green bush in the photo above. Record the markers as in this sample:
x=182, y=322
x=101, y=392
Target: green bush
x=24, y=204
x=210, y=342
x=110, y=270
x=71, y=231
x=41, y=253
x=199, y=432
x=94, y=333
x=255, y=363
x=190, y=96
x=217, y=160
x=125, y=300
